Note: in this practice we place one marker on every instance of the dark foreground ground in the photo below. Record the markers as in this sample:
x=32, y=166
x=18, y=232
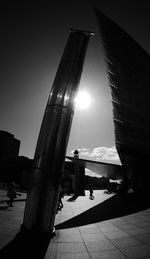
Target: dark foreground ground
x=109, y=227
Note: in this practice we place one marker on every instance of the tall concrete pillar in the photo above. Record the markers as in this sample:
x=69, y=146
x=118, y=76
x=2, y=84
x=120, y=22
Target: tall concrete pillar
x=39, y=214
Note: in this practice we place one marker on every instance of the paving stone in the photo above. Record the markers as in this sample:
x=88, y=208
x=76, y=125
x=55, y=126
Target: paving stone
x=136, y=231
x=87, y=226
x=144, y=237
x=125, y=241
x=116, y=234
x=73, y=256
x=133, y=252
x=109, y=229
x=102, y=245
x=69, y=247
x=113, y=254
x=127, y=226
x=69, y=236
x=52, y=248
x=91, y=230
x=50, y=256
x=93, y=237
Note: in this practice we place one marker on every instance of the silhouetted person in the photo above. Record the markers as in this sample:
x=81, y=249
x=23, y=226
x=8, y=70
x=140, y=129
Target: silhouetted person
x=11, y=193
x=91, y=193
x=60, y=203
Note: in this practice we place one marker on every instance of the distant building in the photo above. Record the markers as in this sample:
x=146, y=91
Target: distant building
x=9, y=145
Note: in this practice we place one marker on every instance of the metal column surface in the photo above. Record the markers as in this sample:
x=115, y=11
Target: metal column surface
x=49, y=158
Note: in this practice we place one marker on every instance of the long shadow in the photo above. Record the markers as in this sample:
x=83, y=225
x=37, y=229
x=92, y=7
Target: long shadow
x=4, y=207
x=16, y=200
x=114, y=207
x=27, y=245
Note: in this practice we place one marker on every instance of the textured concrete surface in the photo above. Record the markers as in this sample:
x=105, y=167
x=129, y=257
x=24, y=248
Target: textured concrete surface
x=127, y=236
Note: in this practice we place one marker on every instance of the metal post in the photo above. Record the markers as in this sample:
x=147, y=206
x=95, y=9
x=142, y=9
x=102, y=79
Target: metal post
x=79, y=176
x=51, y=147
x=77, y=173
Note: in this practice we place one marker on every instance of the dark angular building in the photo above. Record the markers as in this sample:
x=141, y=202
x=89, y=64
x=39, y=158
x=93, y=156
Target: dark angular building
x=128, y=67
x=9, y=154
x=9, y=145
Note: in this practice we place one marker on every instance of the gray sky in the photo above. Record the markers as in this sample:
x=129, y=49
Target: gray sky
x=33, y=40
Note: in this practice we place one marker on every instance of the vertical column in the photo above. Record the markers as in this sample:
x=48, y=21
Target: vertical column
x=77, y=173
x=79, y=176
x=51, y=147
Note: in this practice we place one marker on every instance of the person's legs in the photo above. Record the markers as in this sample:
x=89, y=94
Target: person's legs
x=10, y=202
x=62, y=204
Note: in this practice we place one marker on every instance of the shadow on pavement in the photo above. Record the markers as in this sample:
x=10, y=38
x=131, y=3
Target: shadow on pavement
x=3, y=207
x=16, y=200
x=114, y=207
x=27, y=245
x=73, y=198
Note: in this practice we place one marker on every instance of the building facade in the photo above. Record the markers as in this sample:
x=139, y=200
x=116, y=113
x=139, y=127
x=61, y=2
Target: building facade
x=128, y=66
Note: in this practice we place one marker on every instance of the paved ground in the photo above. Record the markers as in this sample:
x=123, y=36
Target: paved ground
x=122, y=237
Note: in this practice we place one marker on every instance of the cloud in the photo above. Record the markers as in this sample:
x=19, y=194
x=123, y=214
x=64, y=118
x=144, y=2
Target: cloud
x=103, y=154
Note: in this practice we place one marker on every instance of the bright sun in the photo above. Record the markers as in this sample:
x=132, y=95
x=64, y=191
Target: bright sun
x=83, y=100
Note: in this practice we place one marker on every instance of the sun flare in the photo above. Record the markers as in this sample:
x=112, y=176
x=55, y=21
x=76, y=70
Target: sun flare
x=83, y=100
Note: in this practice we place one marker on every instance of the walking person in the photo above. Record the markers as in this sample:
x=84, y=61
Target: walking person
x=91, y=197
x=60, y=203
x=11, y=193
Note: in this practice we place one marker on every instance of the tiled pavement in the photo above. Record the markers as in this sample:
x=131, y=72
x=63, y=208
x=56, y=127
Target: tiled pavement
x=123, y=237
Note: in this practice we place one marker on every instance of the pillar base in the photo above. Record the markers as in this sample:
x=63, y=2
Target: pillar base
x=27, y=244
x=37, y=233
